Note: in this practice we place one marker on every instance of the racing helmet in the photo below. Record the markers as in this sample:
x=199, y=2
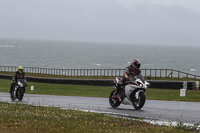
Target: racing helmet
x=20, y=69
x=136, y=64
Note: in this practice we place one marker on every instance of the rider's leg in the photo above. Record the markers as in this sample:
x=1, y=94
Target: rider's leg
x=120, y=84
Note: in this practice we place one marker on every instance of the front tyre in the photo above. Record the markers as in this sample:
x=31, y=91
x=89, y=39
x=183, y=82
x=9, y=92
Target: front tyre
x=138, y=102
x=114, y=102
x=21, y=94
x=12, y=96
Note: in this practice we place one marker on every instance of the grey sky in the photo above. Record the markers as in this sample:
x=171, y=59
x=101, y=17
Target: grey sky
x=120, y=21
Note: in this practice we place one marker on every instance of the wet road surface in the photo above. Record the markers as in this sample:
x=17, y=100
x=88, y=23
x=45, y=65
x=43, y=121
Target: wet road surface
x=153, y=109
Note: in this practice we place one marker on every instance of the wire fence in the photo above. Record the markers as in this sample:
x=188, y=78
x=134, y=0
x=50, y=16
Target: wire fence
x=100, y=72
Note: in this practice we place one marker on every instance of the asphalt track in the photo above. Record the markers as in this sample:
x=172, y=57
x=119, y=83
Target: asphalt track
x=187, y=112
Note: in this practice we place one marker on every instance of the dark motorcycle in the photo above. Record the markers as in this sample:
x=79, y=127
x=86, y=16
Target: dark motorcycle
x=18, y=90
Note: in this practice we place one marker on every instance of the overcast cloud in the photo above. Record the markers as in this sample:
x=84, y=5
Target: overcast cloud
x=119, y=21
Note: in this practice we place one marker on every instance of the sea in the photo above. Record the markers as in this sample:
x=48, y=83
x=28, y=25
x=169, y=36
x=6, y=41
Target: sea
x=92, y=55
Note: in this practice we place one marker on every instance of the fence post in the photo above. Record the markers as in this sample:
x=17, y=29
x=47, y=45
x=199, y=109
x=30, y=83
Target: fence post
x=150, y=72
x=112, y=72
x=172, y=73
x=160, y=73
x=178, y=74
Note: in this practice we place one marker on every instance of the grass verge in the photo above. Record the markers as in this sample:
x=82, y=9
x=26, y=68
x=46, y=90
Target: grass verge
x=100, y=91
x=27, y=118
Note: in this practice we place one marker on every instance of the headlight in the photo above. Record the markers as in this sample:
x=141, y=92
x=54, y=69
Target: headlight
x=141, y=85
x=20, y=84
x=147, y=85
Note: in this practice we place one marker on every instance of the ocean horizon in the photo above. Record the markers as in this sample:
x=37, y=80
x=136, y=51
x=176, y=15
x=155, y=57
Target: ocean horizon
x=90, y=55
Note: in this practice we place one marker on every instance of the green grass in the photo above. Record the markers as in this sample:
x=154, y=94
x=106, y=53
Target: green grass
x=100, y=91
x=26, y=118
x=172, y=95
x=70, y=90
x=61, y=89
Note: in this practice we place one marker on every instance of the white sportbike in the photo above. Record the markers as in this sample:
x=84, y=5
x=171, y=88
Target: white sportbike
x=133, y=93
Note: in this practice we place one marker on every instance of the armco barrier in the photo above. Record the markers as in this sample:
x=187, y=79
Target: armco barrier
x=191, y=85
x=5, y=77
x=94, y=82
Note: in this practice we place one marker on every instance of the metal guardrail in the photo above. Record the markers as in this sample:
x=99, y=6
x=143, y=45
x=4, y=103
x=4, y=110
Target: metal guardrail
x=100, y=72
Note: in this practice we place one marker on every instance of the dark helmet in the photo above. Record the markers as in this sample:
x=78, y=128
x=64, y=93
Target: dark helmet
x=136, y=64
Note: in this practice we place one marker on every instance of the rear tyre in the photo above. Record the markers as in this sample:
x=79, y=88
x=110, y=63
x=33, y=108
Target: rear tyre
x=113, y=102
x=138, y=103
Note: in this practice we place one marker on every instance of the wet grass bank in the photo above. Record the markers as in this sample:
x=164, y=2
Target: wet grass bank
x=26, y=118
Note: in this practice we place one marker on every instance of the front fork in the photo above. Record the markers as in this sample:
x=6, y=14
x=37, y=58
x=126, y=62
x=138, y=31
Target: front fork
x=137, y=95
x=15, y=91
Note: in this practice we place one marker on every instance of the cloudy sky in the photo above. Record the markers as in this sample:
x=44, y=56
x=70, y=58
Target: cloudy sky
x=119, y=21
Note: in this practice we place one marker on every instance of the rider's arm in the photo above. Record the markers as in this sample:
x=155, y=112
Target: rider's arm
x=129, y=72
x=137, y=72
x=24, y=76
x=127, y=77
x=14, y=77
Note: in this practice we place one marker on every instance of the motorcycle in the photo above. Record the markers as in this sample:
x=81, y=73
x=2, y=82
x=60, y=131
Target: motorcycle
x=18, y=90
x=133, y=93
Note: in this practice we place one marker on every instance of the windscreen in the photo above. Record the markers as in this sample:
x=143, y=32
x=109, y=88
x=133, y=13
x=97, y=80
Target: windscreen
x=140, y=77
x=22, y=81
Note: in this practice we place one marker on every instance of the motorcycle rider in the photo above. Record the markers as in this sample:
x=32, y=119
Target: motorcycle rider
x=130, y=71
x=19, y=74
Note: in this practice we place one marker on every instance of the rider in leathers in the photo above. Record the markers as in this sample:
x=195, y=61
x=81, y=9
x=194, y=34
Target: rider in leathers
x=19, y=74
x=130, y=71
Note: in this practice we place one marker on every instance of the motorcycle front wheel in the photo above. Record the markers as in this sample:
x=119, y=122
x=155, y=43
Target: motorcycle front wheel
x=21, y=94
x=12, y=96
x=139, y=102
x=113, y=102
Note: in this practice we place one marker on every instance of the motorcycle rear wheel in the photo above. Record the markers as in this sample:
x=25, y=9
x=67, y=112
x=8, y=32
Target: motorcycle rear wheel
x=138, y=103
x=113, y=103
